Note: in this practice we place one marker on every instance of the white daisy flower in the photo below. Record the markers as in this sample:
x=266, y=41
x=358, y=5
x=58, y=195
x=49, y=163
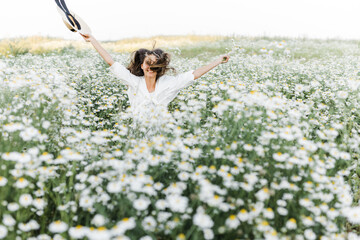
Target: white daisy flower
x=29, y=134
x=203, y=220
x=149, y=223
x=232, y=222
x=141, y=204
x=280, y=157
x=78, y=232
x=8, y=220
x=25, y=200
x=43, y=237
x=308, y=221
x=58, y=227
x=39, y=203
x=282, y=211
x=12, y=207
x=146, y=238
x=342, y=94
x=353, y=215
x=177, y=203
x=21, y=183
x=3, y=181
x=268, y=213
x=243, y=215
x=309, y=234
x=208, y=233
x=122, y=226
x=99, y=220
x=263, y=194
x=3, y=232
x=86, y=201
x=161, y=204
x=98, y=233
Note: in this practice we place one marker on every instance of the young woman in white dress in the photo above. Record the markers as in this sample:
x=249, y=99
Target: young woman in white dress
x=150, y=90
x=148, y=84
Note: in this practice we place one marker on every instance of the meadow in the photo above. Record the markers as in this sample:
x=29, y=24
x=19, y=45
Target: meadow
x=263, y=147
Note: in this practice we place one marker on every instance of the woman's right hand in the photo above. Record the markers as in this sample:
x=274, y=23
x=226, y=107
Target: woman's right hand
x=87, y=37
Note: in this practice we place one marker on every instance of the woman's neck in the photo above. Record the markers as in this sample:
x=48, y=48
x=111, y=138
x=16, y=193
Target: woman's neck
x=150, y=83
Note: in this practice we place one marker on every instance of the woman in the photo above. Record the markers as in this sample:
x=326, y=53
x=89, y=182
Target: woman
x=148, y=86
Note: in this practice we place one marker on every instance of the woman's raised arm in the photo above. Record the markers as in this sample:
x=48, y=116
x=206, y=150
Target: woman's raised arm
x=201, y=71
x=103, y=53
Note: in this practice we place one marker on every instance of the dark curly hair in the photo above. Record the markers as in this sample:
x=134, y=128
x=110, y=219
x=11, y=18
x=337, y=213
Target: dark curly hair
x=161, y=66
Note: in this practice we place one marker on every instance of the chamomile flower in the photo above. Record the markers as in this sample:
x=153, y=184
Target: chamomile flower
x=202, y=220
x=264, y=226
x=99, y=220
x=149, y=223
x=181, y=236
x=39, y=203
x=291, y=224
x=98, y=233
x=309, y=234
x=352, y=214
x=141, y=204
x=243, y=215
x=13, y=207
x=86, y=201
x=25, y=200
x=308, y=221
x=177, y=203
x=3, y=181
x=3, y=232
x=58, y=227
x=208, y=234
x=280, y=157
x=342, y=94
x=122, y=226
x=21, y=183
x=232, y=222
x=78, y=232
x=145, y=238
x=268, y=213
x=114, y=187
x=263, y=194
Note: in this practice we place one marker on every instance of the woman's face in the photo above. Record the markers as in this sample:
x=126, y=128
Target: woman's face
x=150, y=59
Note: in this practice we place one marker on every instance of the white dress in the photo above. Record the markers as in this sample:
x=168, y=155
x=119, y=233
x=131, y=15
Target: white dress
x=149, y=110
x=166, y=88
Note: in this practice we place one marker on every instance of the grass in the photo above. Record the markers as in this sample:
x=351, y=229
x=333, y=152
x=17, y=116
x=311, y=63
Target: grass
x=187, y=46
x=271, y=76
x=45, y=45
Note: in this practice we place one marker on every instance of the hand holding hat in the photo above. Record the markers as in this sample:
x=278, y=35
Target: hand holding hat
x=87, y=37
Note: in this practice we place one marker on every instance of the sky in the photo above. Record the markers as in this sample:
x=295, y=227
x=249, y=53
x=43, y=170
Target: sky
x=120, y=19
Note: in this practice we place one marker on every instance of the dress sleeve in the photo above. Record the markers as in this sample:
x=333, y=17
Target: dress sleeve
x=183, y=80
x=124, y=75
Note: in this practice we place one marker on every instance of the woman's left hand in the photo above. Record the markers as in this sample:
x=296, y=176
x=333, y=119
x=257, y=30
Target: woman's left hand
x=224, y=58
x=201, y=71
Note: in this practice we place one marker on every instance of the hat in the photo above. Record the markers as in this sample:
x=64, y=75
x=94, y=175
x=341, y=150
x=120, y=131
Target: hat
x=71, y=20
